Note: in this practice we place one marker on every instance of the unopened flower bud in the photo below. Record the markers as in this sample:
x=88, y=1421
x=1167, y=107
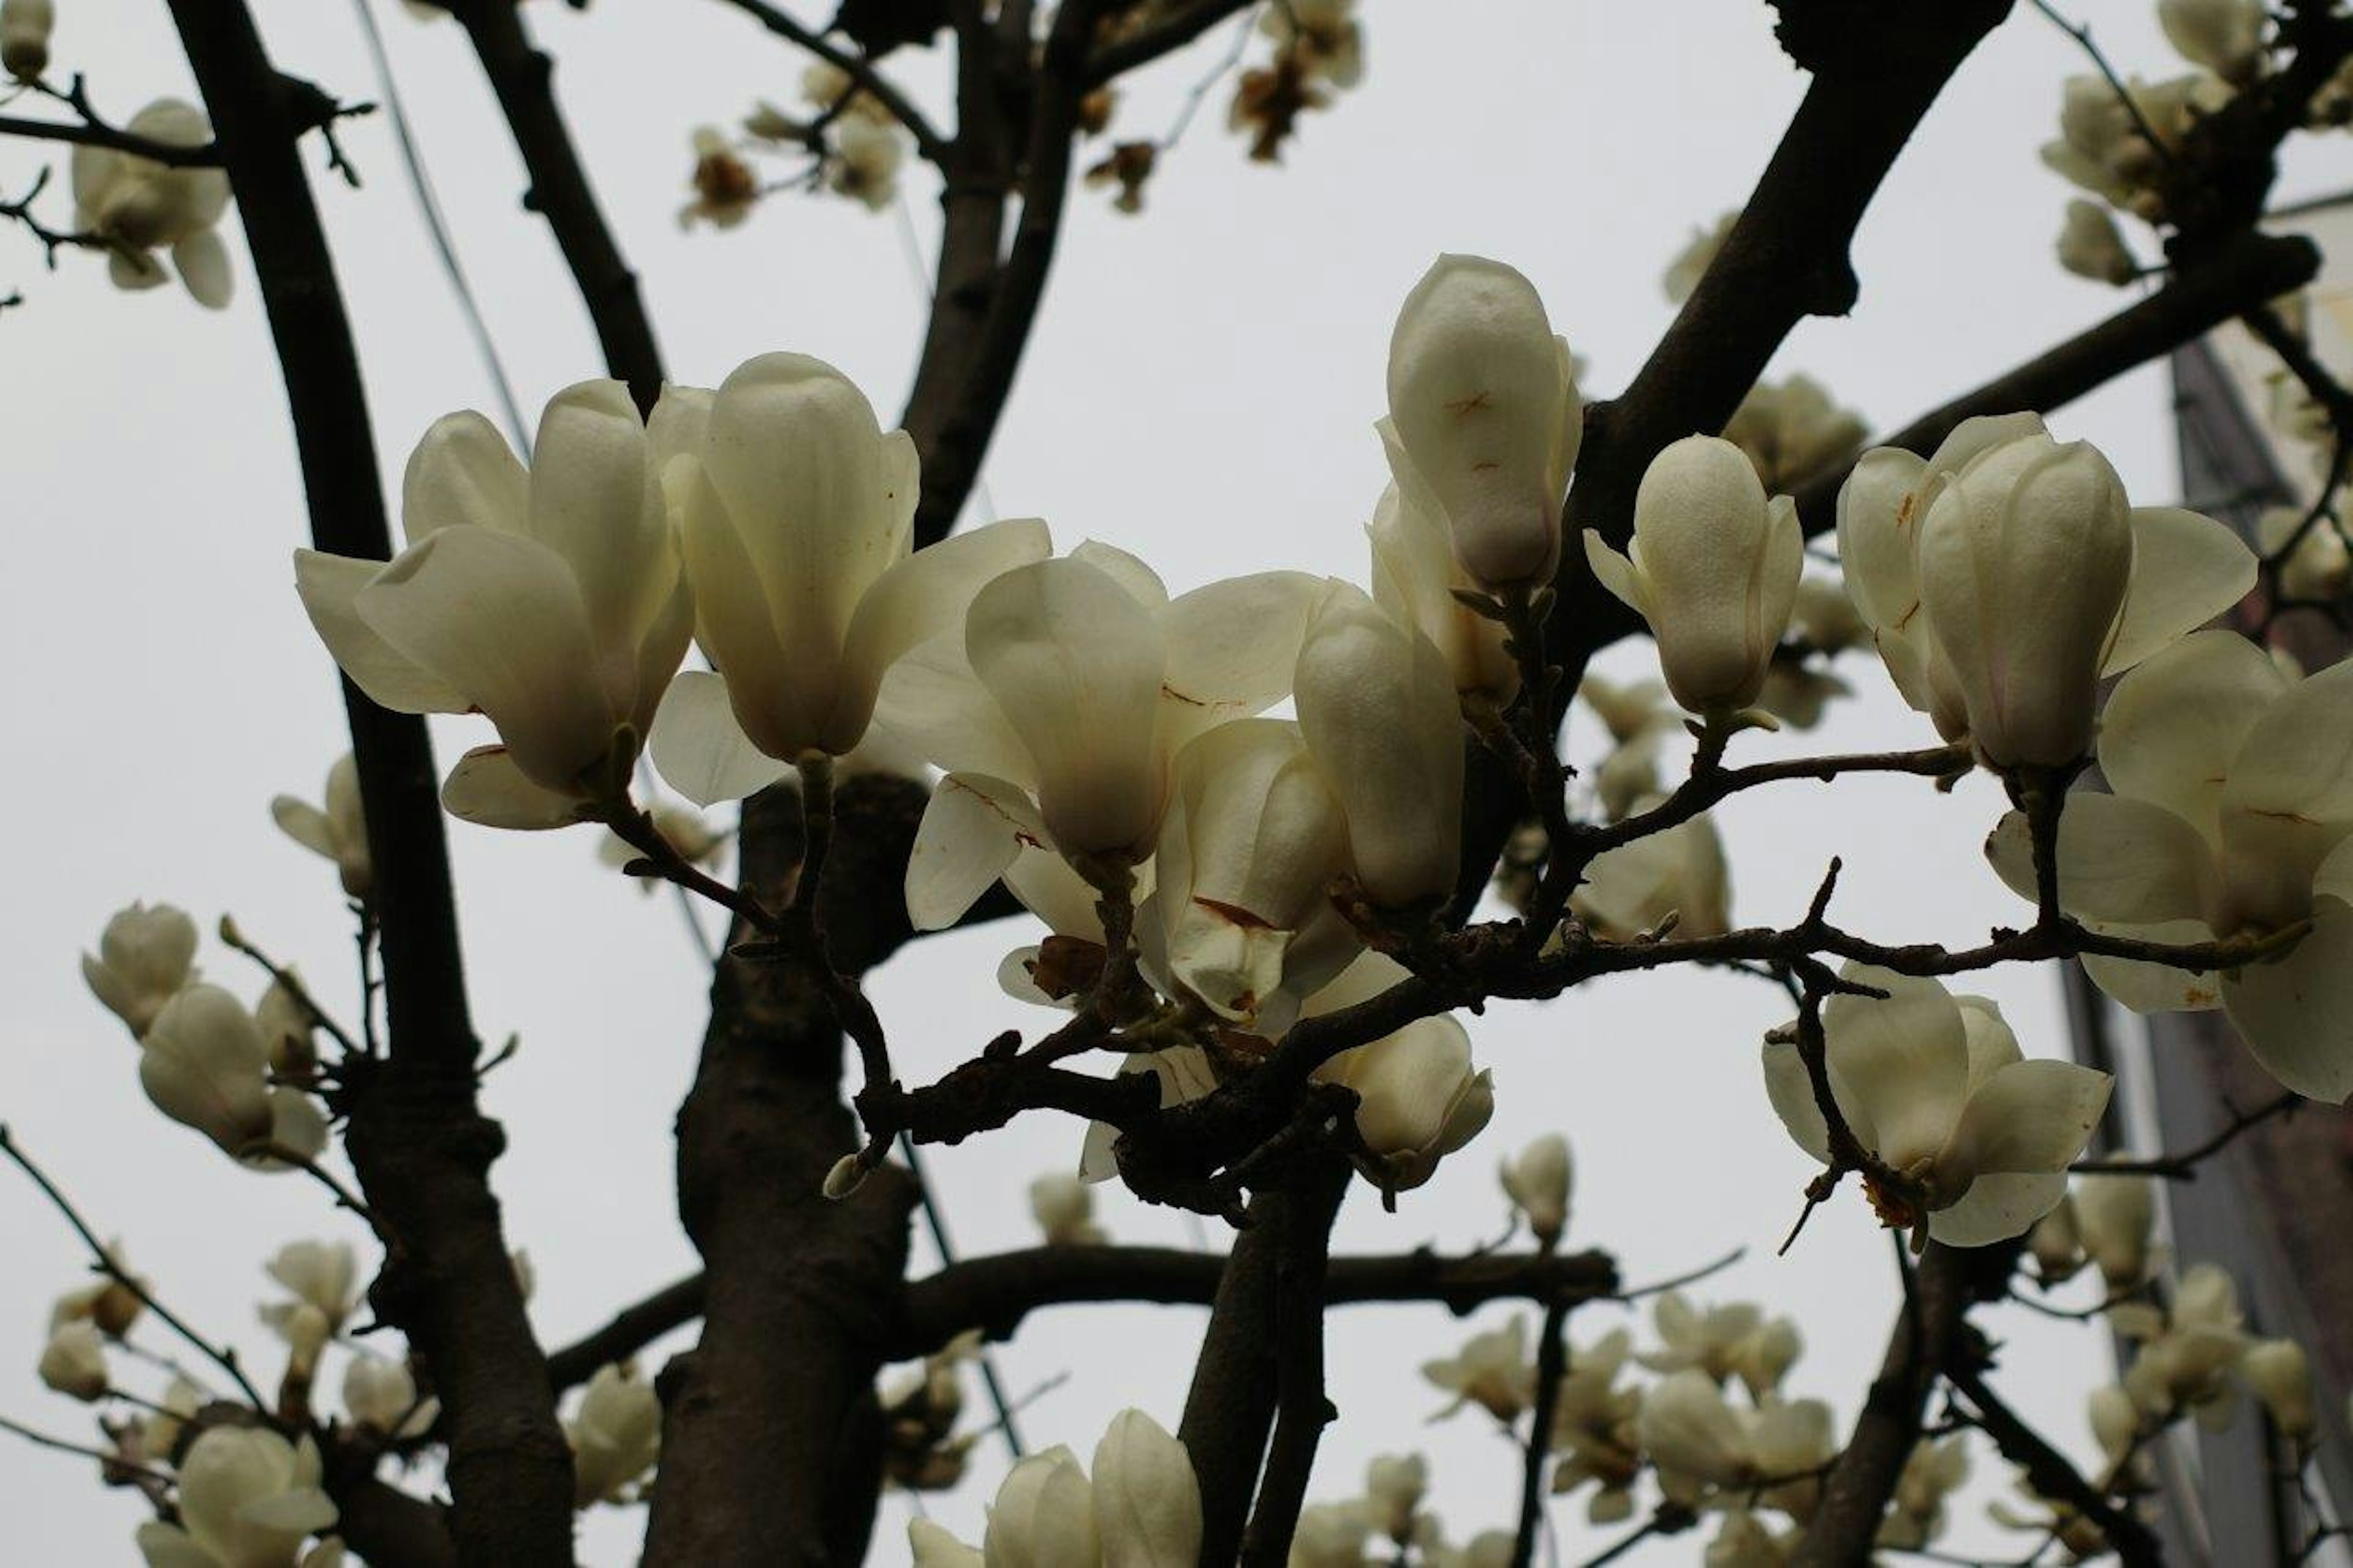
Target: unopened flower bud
x=205, y=1064
x=2281, y=1376
x=24, y=28
x=145, y=958
x=1536, y=1180
x=74, y=1361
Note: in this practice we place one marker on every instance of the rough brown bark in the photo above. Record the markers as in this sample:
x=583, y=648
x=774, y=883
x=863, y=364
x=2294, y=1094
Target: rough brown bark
x=416, y=1135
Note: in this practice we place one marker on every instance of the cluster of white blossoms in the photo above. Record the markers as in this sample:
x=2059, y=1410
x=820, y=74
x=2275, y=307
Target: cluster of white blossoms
x=859, y=144
x=1139, y=1507
x=206, y=1060
x=615, y=1436
x=139, y=209
x=1388, y=1521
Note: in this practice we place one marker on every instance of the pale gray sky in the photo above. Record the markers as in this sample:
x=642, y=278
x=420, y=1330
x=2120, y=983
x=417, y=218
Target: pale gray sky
x=1201, y=390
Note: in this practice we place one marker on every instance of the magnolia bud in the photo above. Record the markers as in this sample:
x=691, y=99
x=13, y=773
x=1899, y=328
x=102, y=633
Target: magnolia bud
x=1485, y=410
x=1691, y=1434
x=1043, y=1515
x=1394, y=1485
x=616, y=1435
x=2226, y=37
x=2091, y=246
x=205, y=1064
x=24, y=28
x=1147, y=1505
x=251, y=1489
x=287, y=1026
x=2281, y=1376
x=2115, y=1421
x=74, y=1361
x=2113, y=1217
x=2057, y=1250
x=143, y=960
x=382, y=1396
x=1713, y=567
x=2023, y=563
x=338, y=830
x=1537, y=1183
x=1377, y=708
x=1417, y=1099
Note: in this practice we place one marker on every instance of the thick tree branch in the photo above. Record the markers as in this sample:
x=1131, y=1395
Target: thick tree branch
x=387, y=1526
x=1175, y=26
x=1301, y=1408
x=416, y=1135
x=1229, y=1408
x=522, y=76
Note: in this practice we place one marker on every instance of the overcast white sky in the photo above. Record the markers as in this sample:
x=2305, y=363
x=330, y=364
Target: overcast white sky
x=1201, y=390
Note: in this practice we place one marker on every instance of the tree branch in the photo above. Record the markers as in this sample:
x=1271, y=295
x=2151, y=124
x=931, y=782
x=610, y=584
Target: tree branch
x=2048, y=1471
x=93, y=134
x=414, y=1134
x=857, y=67
x=1301, y=1408
x=521, y=75
x=1175, y=28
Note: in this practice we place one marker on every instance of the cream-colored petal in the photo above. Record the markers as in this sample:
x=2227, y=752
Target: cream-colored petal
x=1996, y=1208
x=925, y=594
x=2296, y=1013
x=305, y=824
x=700, y=749
x=933, y=702
x=2187, y=569
x=463, y=471
x=2119, y=860
x=2172, y=727
x=1614, y=571
x=1231, y=648
x=2156, y=987
x=2298, y=757
x=1899, y=1066
x=328, y=585
x=488, y=789
x=1142, y=582
x=2029, y=1117
x=597, y=501
x=202, y=262
x=971, y=832
x=1791, y=1090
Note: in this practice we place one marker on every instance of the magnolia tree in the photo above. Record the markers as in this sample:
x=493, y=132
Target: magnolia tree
x=1255, y=825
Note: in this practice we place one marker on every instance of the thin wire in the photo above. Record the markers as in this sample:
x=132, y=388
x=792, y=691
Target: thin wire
x=429, y=208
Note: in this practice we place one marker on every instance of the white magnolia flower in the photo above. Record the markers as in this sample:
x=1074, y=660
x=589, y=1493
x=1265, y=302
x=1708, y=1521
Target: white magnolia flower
x=1593, y=1427
x=616, y=1435
x=1417, y=1096
x=287, y=1026
x=1415, y=578
x=1743, y=1541
x=1331, y=1535
x=2103, y=145
x=1491, y=1371
x=1142, y=1509
x=248, y=1498
x=2319, y=566
x=203, y=1063
x=1724, y=1340
x=73, y=1363
x=338, y=830
x=1977, y=1139
x=2226, y=37
x=2184, y=569
x=2230, y=800
x=1628, y=775
x=725, y=187
x=798, y=517
x=823, y=84
x=1692, y=262
x=2091, y=246
x=139, y=206
x=1791, y=430
x=1487, y=419
x=2189, y=1350
x=1932, y=1474
x=1698, y=1441
x=2114, y=1218
x=1712, y=566
x=2279, y=1374
x=550, y=600
x=1380, y=712
x=1537, y=1180
x=866, y=161
x=1064, y=1209
x=1240, y=915
x=24, y=26
x=1680, y=871
x=1058, y=706
x=158, y=1432
x=1394, y=1486
x=145, y=957
x=380, y=1395
x=106, y=1302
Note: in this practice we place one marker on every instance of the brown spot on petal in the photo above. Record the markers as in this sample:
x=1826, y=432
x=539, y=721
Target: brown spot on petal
x=1234, y=914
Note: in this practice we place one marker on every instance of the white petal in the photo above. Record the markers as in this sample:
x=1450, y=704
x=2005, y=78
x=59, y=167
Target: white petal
x=2172, y=727
x=1791, y=1089
x=1614, y=571
x=2296, y=1013
x=597, y=501
x=926, y=594
x=328, y=585
x=169, y=1546
x=305, y=824
x=2119, y=860
x=933, y=703
x=970, y=832
x=2029, y=1117
x=1899, y=1066
x=463, y=471
x=500, y=618
x=1231, y=647
x=487, y=788
x=1142, y=582
x=2156, y=987
x=203, y=261
x=2187, y=569
x=1996, y=1208
x=2297, y=758
x=701, y=749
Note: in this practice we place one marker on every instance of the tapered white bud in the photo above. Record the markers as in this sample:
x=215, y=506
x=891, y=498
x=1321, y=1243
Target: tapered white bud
x=2280, y=1374
x=323, y=1274
x=2025, y=559
x=74, y=1361
x=287, y=1026
x=24, y=26
x=2091, y=246
x=338, y=829
x=1064, y=1207
x=248, y=1498
x=616, y=1435
x=381, y=1396
x=1486, y=413
x=1420, y=1095
x=145, y=958
x=2115, y=1217
x=205, y=1064
x=1044, y=1514
x=2226, y=37
x=1147, y=1504
x=1713, y=567
x=1379, y=714
x=2115, y=1420
x=1536, y=1180
x=846, y=1176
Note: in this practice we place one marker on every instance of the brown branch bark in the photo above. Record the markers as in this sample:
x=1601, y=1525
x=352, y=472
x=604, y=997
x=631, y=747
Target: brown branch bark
x=1302, y=1408
x=416, y=1135
x=1178, y=27
x=522, y=76
x=2048, y=1472
x=387, y=1526
x=1855, y=1493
